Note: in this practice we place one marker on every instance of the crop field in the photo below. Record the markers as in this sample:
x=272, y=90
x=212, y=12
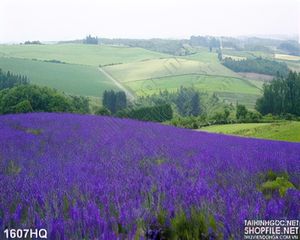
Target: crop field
x=106, y=178
x=205, y=83
x=84, y=54
x=285, y=131
x=211, y=58
x=70, y=78
x=287, y=57
x=202, y=82
x=158, y=68
x=139, y=70
x=247, y=54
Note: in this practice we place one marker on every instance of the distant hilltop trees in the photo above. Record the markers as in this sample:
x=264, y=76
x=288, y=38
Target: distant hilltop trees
x=32, y=42
x=292, y=47
x=90, y=40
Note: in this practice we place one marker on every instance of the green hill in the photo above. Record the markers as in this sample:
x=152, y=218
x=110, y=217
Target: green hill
x=70, y=78
x=285, y=130
x=79, y=53
x=139, y=70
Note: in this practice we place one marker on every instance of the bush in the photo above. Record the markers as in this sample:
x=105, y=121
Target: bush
x=275, y=183
x=31, y=98
x=189, y=122
x=221, y=117
x=158, y=113
x=253, y=117
x=195, y=225
x=23, y=107
x=102, y=111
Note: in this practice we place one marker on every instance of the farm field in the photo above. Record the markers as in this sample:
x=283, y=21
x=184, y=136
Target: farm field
x=158, y=68
x=285, y=131
x=208, y=83
x=247, y=54
x=70, y=78
x=287, y=57
x=84, y=54
x=106, y=178
x=139, y=70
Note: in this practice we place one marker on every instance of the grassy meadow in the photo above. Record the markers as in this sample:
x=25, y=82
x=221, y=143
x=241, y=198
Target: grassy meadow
x=70, y=78
x=142, y=71
x=83, y=54
x=284, y=130
x=205, y=83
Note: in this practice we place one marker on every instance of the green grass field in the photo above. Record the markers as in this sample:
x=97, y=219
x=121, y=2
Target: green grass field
x=158, y=68
x=247, y=54
x=70, y=78
x=79, y=53
x=206, y=83
x=139, y=70
x=285, y=130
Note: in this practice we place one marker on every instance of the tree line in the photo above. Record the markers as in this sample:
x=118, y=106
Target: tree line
x=17, y=95
x=291, y=47
x=169, y=46
x=257, y=65
x=9, y=80
x=281, y=96
x=32, y=42
x=115, y=103
x=90, y=40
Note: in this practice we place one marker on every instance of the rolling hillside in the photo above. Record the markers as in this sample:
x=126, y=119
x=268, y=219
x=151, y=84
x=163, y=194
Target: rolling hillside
x=285, y=131
x=79, y=53
x=138, y=70
x=228, y=88
x=70, y=78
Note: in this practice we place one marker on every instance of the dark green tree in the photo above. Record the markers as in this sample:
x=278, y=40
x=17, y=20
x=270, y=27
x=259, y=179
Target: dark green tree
x=195, y=104
x=23, y=107
x=114, y=101
x=281, y=96
x=103, y=111
x=31, y=98
x=121, y=101
x=241, y=112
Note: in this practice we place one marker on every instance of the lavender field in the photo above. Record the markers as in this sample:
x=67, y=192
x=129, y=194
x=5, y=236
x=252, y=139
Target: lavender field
x=90, y=177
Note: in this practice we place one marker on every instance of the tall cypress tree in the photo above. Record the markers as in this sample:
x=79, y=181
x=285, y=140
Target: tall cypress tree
x=195, y=104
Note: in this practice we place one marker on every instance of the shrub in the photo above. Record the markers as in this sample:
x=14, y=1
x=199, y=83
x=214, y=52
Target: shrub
x=195, y=225
x=275, y=182
x=23, y=107
x=159, y=113
x=102, y=111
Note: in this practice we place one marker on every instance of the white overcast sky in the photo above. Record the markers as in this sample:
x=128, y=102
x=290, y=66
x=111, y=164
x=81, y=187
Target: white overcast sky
x=47, y=20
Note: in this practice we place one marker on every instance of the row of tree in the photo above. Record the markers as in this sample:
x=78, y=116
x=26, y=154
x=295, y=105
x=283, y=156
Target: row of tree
x=9, y=80
x=257, y=65
x=188, y=102
x=90, y=40
x=205, y=41
x=32, y=98
x=281, y=96
x=169, y=46
x=158, y=113
x=291, y=47
x=114, y=101
x=32, y=43
x=18, y=96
